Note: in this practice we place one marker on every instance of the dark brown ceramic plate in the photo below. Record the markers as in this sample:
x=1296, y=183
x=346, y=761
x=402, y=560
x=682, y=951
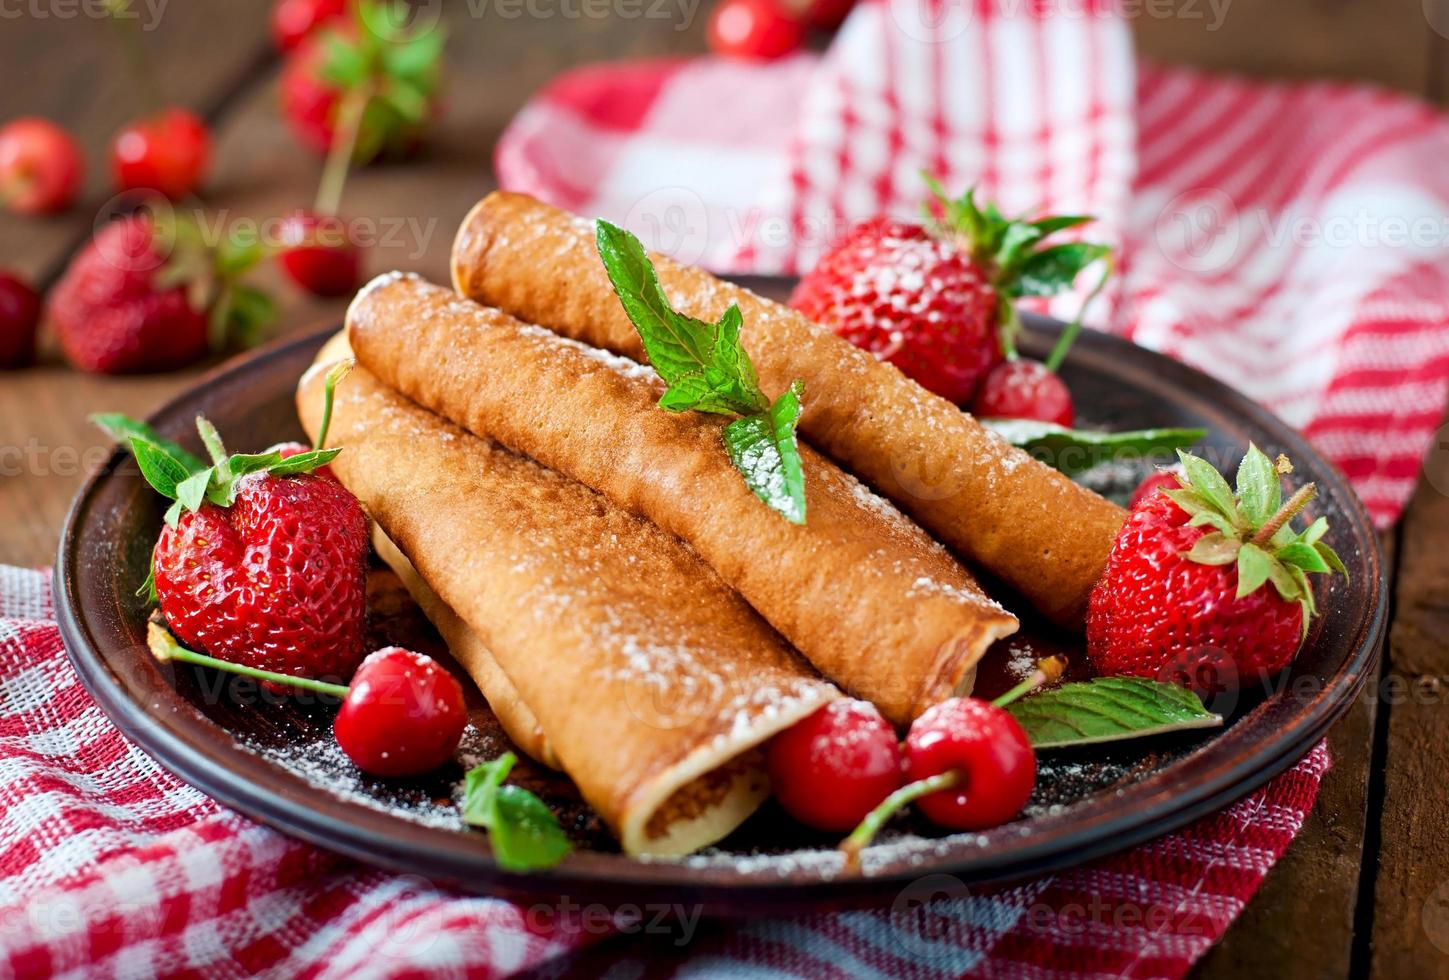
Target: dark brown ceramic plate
x=275, y=760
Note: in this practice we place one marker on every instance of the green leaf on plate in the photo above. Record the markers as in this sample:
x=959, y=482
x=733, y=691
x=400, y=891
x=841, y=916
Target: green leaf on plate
x=523, y=831
x=1109, y=709
x=1074, y=451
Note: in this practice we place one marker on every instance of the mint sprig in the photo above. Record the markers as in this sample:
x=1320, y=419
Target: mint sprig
x=1074, y=451
x=1109, y=709
x=523, y=831
x=707, y=369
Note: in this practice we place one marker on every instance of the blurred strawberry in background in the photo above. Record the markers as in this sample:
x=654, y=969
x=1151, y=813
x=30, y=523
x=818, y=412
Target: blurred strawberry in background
x=371, y=80
x=148, y=293
x=40, y=166
x=167, y=152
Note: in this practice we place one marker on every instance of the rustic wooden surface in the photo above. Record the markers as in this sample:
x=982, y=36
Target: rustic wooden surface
x=1365, y=888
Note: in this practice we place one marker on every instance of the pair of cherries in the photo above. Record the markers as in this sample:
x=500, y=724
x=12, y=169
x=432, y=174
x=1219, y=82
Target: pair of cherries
x=966, y=763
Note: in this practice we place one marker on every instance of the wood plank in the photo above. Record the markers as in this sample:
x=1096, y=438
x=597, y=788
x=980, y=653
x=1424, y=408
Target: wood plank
x=73, y=70
x=1411, y=890
x=1324, y=861
x=1384, y=41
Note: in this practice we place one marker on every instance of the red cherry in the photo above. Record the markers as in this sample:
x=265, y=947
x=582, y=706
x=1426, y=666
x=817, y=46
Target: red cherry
x=987, y=747
x=753, y=29
x=19, y=316
x=1024, y=389
x=40, y=166
x=403, y=714
x=293, y=21
x=319, y=255
x=829, y=770
x=167, y=152
x=1163, y=479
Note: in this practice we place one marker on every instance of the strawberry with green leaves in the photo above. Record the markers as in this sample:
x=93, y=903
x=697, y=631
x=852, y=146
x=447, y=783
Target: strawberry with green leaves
x=1205, y=572
x=370, y=81
x=938, y=300
x=261, y=562
x=149, y=293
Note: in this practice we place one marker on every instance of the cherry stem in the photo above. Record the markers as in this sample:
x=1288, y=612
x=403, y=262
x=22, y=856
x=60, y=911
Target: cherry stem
x=344, y=145
x=135, y=55
x=862, y=835
x=1048, y=671
x=1285, y=513
x=1069, y=335
x=175, y=651
x=329, y=393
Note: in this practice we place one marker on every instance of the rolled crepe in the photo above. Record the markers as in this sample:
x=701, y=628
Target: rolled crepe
x=655, y=683
x=868, y=597
x=996, y=506
x=517, y=718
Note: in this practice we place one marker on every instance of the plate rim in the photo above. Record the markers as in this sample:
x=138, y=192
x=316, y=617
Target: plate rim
x=376, y=837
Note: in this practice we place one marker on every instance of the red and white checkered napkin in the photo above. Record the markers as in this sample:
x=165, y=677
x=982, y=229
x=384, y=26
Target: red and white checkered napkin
x=109, y=864
x=1291, y=239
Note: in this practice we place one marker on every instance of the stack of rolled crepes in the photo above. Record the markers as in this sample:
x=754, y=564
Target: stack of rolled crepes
x=632, y=612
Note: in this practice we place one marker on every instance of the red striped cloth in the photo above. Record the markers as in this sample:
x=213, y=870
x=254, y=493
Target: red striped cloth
x=109, y=865
x=1292, y=240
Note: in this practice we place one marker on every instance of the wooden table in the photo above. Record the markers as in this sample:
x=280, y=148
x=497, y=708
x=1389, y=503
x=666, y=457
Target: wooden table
x=1364, y=889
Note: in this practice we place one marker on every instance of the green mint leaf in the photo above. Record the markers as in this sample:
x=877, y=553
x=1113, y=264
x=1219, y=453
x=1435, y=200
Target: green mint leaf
x=304, y=462
x=705, y=361
x=1209, y=484
x=1053, y=270
x=191, y=492
x=764, y=449
x=162, y=470
x=1254, y=568
x=1259, y=492
x=1074, y=451
x=123, y=429
x=1109, y=709
x=524, y=833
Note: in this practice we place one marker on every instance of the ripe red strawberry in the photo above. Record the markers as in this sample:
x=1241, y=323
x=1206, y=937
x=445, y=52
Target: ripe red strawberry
x=141, y=296
x=1187, y=583
x=936, y=300
x=261, y=562
x=365, y=82
x=167, y=152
